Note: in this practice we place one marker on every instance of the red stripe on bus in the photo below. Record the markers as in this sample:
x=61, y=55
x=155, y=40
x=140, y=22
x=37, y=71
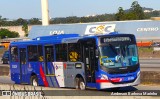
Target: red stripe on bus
x=43, y=77
x=65, y=65
x=116, y=79
x=102, y=81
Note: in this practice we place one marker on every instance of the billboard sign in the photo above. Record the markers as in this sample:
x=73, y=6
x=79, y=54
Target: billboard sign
x=100, y=29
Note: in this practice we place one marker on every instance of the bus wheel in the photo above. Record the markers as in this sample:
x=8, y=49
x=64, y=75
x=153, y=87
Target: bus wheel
x=77, y=83
x=2, y=62
x=82, y=85
x=34, y=81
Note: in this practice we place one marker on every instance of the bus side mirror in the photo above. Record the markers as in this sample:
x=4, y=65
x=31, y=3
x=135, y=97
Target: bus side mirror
x=97, y=53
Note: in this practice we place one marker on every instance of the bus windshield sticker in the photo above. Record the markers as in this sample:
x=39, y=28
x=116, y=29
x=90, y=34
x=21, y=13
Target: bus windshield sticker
x=134, y=58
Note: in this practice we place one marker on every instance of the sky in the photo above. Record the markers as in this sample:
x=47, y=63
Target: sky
x=26, y=9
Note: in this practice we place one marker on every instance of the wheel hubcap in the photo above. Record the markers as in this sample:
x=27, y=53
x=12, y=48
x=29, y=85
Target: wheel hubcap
x=34, y=82
x=82, y=86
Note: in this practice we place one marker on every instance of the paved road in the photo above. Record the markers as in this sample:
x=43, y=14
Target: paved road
x=150, y=64
x=7, y=80
x=4, y=64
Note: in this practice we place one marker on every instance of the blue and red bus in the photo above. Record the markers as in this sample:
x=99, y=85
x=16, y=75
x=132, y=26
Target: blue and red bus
x=70, y=60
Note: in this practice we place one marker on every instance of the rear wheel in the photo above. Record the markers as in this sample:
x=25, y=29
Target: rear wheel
x=77, y=83
x=80, y=84
x=2, y=61
x=34, y=80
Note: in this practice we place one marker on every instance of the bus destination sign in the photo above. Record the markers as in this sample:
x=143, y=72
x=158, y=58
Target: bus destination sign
x=115, y=39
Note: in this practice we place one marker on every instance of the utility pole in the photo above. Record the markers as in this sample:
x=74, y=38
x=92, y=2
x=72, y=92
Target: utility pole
x=45, y=12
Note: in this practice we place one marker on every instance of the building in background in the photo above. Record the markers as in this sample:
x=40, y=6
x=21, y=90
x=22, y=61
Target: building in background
x=144, y=30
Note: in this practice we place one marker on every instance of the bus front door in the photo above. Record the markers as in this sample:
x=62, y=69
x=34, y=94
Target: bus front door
x=49, y=67
x=89, y=61
x=23, y=65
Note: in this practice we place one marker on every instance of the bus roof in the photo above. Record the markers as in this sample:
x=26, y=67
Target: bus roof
x=45, y=39
x=61, y=38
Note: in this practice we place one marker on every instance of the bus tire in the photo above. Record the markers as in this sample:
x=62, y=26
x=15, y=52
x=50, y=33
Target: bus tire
x=77, y=83
x=34, y=80
x=82, y=85
x=2, y=62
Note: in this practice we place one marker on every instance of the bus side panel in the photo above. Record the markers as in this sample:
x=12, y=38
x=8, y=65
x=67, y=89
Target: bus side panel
x=59, y=73
x=15, y=72
x=52, y=80
x=40, y=78
x=69, y=74
x=72, y=71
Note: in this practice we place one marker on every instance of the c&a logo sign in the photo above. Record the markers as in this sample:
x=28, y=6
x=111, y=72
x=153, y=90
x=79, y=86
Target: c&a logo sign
x=100, y=29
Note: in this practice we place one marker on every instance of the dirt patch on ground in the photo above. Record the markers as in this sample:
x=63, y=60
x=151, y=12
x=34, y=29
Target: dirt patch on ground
x=148, y=52
x=154, y=54
x=150, y=77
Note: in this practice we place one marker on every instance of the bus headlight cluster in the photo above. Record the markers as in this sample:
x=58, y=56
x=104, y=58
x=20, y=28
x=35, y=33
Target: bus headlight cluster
x=104, y=77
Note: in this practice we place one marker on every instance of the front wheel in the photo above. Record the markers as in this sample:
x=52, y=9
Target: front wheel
x=34, y=80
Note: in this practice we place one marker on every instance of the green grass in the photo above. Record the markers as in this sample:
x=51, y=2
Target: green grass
x=145, y=49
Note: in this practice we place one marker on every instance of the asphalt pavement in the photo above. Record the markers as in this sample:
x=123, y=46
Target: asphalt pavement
x=150, y=64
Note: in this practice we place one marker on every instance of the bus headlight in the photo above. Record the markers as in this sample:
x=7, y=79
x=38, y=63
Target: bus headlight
x=104, y=77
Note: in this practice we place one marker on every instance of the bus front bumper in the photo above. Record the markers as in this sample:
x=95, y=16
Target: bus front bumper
x=111, y=85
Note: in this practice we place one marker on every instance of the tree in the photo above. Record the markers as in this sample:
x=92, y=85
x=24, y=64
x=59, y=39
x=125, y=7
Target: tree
x=137, y=10
x=120, y=15
x=6, y=33
x=34, y=21
x=2, y=19
x=20, y=21
x=130, y=16
x=25, y=29
x=72, y=19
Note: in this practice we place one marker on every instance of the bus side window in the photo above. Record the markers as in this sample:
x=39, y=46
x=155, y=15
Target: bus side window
x=61, y=52
x=74, y=52
x=14, y=54
x=32, y=53
x=40, y=53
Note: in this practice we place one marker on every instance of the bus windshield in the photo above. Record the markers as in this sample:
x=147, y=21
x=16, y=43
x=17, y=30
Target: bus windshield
x=118, y=55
